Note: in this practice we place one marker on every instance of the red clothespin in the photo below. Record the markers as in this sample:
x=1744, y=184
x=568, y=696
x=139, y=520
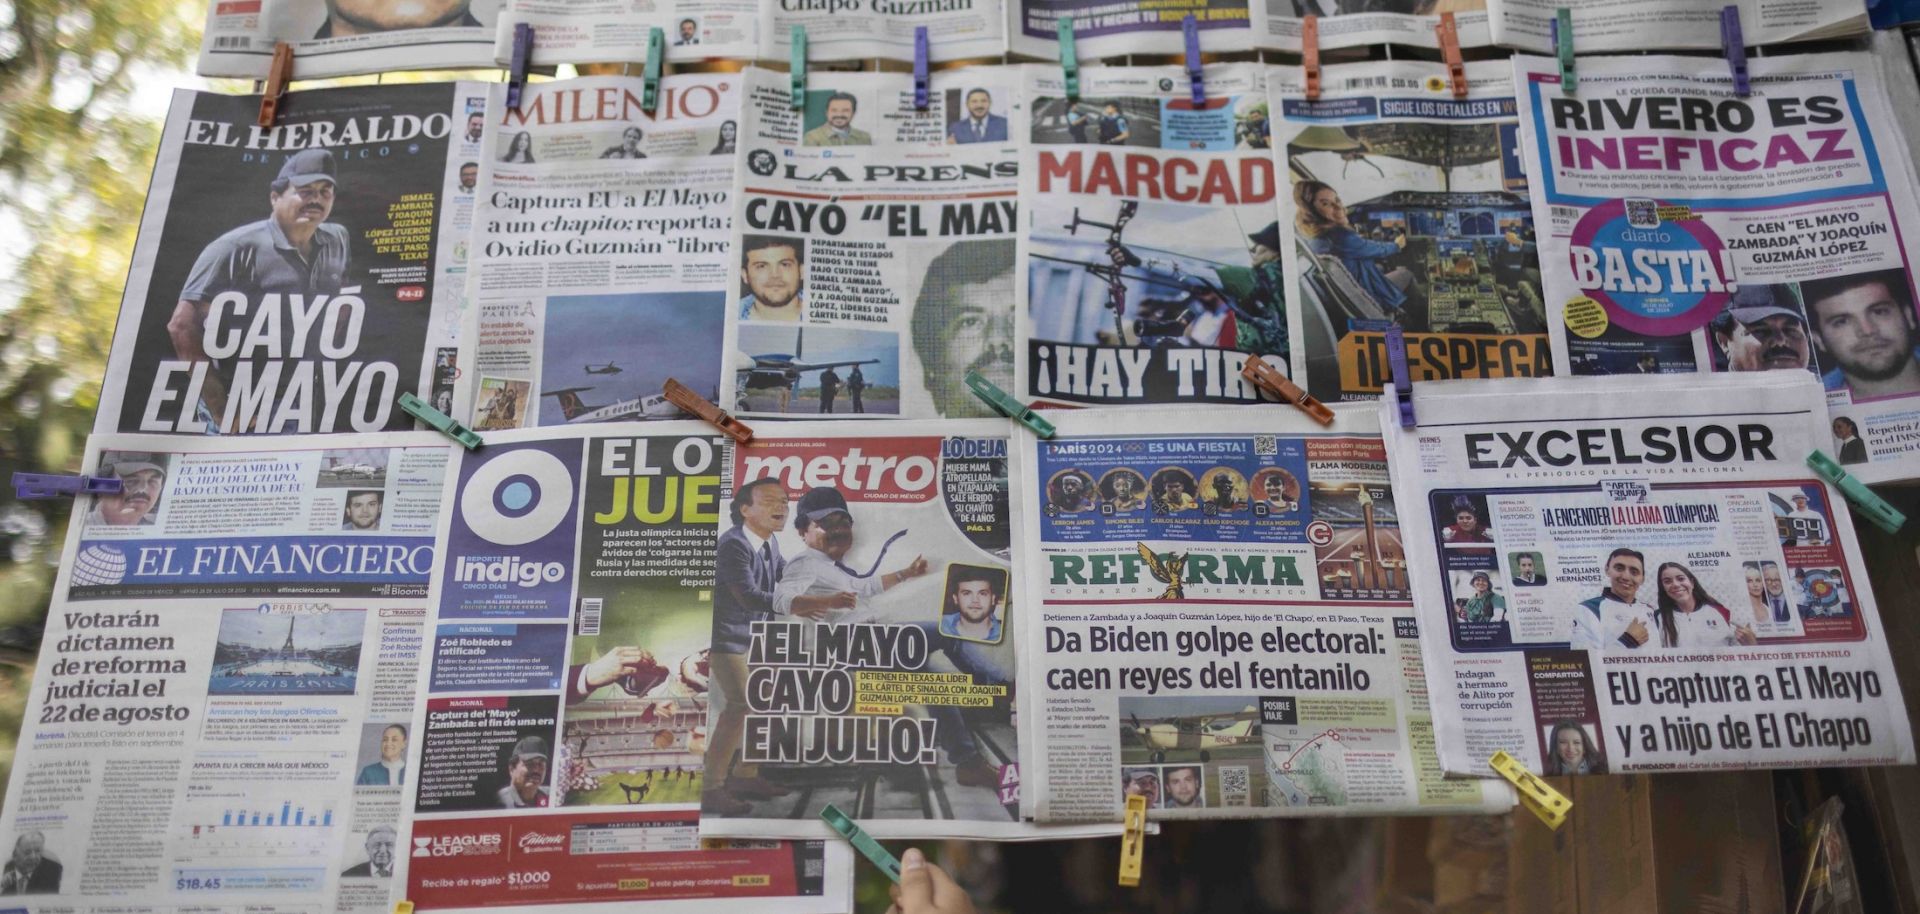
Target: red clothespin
x=680, y=395
x=279, y=74
x=1310, y=55
x=1268, y=378
x=1450, y=52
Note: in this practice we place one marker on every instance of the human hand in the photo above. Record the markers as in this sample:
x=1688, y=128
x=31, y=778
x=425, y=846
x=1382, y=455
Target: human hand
x=612, y=665
x=915, y=568
x=927, y=889
x=1744, y=635
x=843, y=600
x=1637, y=631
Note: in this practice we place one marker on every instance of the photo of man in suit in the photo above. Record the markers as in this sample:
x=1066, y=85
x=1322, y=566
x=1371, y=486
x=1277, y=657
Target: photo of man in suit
x=747, y=567
x=839, y=129
x=29, y=871
x=980, y=125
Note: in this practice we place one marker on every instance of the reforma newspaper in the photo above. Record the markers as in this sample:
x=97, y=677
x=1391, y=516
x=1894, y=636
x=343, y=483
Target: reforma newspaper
x=616, y=31
x=297, y=278
x=1279, y=24
x=1407, y=208
x=1220, y=621
x=222, y=709
x=599, y=250
x=1640, y=574
x=1642, y=25
x=564, y=710
x=1150, y=251
x=332, y=38
x=1686, y=229
x=1115, y=28
x=872, y=262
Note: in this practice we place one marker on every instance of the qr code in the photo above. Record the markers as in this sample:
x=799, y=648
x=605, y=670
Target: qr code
x=1233, y=785
x=814, y=869
x=1265, y=446
x=1642, y=213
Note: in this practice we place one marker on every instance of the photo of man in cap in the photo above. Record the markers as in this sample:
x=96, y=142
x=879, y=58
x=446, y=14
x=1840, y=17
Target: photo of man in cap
x=142, y=476
x=1761, y=328
x=294, y=250
x=815, y=584
x=526, y=775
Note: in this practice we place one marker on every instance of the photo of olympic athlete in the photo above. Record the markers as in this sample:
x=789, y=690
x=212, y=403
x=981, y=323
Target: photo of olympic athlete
x=1864, y=327
x=1617, y=617
x=1483, y=604
x=365, y=17
x=1224, y=489
x=142, y=477
x=1123, y=491
x=1469, y=527
x=1571, y=750
x=1173, y=490
x=1071, y=492
x=1686, y=616
x=1527, y=569
x=1278, y=490
x=1821, y=593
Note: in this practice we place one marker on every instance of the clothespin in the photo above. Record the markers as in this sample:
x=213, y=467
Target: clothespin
x=1190, y=30
x=1562, y=31
x=920, y=92
x=441, y=422
x=1449, y=33
x=682, y=396
x=1402, y=377
x=1268, y=378
x=861, y=841
x=1005, y=404
x=1734, y=45
x=797, y=66
x=1069, y=57
x=33, y=486
x=1310, y=55
x=522, y=52
x=279, y=74
x=1539, y=797
x=650, y=77
x=1133, y=840
x=403, y=907
x=1883, y=515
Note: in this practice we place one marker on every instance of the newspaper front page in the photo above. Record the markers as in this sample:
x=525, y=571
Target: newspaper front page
x=299, y=278
x=1277, y=24
x=599, y=250
x=616, y=31
x=1115, y=28
x=1408, y=207
x=1642, y=25
x=1150, y=251
x=857, y=29
x=346, y=37
x=1220, y=622
x=1640, y=574
x=873, y=244
x=1686, y=229
x=564, y=714
x=222, y=709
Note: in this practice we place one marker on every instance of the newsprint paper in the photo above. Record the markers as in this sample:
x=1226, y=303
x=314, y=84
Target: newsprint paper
x=1641, y=25
x=616, y=31
x=1277, y=24
x=566, y=687
x=1639, y=574
x=345, y=37
x=1218, y=619
x=1685, y=229
x=1115, y=28
x=223, y=704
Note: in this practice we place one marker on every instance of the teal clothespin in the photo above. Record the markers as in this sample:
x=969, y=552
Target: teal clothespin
x=419, y=409
x=797, y=68
x=1004, y=404
x=1069, y=58
x=1883, y=515
x=656, y=53
x=862, y=841
x=1562, y=28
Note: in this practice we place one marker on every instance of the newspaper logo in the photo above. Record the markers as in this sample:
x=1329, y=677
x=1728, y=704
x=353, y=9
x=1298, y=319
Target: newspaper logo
x=1632, y=491
x=469, y=845
x=518, y=497
x=99, y=565
x=1165, y=570
x=762, y=162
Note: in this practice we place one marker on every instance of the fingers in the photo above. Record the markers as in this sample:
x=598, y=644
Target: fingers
x=948, y=896
x=916, y=882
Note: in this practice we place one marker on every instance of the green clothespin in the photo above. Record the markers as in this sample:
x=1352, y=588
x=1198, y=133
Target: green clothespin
x=1069, y=58
x=419, y=409
x=797, y=67
x=1883, y=515
x=1562, y=28
x=1004, y=404
x=862, y=841
x=656, y=53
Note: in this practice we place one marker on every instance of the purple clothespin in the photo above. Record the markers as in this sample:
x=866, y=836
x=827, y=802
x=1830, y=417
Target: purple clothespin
x=920, y=92
x=1190, y=30
x=28, y=486
x=522, y=51
x=1402, y=378
x=1734, y=45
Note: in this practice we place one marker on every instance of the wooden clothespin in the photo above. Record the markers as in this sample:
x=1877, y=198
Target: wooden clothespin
x=1132, y=841
x=921, y=89
x=1268, y=378
x=522, y=53
x=441, y=422
x=1310, y=55
x=1734, y=44
x=1402, y=376
x=1539, y=797
x=797, y=67
x=682, y=396
x=1449, y=32
x=1196, y=76
x=1069, y=58
x=1562, y=32
x=650, y=77
x=279, y=74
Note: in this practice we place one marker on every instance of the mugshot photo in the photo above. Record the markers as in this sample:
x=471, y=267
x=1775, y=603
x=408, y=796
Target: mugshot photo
x=974, y=604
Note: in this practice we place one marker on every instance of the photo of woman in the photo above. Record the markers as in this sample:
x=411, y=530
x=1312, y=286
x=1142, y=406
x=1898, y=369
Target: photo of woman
x=1571, y=751
x=521, y=150
x=1322, y=222
x=728, y=132
x=1485, y=605
x=1686, y=616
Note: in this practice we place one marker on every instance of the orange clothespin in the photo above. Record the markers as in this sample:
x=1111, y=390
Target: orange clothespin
x=680, y=395
x=1268, y=378
x=279, y=74
x=1310, y=55
x=1450, y=52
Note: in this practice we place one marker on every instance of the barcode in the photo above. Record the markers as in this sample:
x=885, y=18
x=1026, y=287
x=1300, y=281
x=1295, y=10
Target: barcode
x=590, y=615
x=1564, y=212
x=1367, y=82
x=230, y=41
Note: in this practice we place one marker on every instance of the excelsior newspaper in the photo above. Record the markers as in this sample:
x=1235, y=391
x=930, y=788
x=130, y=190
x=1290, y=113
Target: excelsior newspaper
x=599, y=250
x=222, y=709
x=298, y=278
x=1220, y=622
x=1277, y=24
x=565, y=706
x=1408, y=207
x=612, y=31
x=858, y=29
x=1640, y=574
x=1104, y=28
x=1150, y=249
x=1640, y=25
x=1687, y=229
x=335, y=38
x=873, y=244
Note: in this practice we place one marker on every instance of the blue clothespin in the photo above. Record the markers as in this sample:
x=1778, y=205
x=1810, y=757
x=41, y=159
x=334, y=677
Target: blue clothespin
x=1069, y=58
x=522, y=52
x=33, y=486
x=1190, y=30
x=1883, y=515
x=441, y=422
x=920, y=92
x=656, y=53
x=1005, y=404
x=861, y=841
x=1562, y=30
x=797, y=66
x=1402, y=377
x=1734, y=45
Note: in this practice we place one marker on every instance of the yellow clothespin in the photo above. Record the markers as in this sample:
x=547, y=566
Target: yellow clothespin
x=1132, y=841
x=1539, y=797
x=403, y=907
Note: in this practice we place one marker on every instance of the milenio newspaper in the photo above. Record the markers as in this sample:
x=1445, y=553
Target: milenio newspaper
x=1279, y=25
x=1150, y=252
x=1408, y=208
x=599, y=250
x=1642, y=25
x=1219, y=621
x=1640, y=574
x=567, y=686
x=1686, y=229
x=345, y=37
x=226, y=682
x=297, y=278
x=873, y=246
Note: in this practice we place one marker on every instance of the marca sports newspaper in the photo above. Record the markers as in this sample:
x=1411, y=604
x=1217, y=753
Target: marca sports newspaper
x=1150, y=251
x=1219, y=622
x=872, y=261
x=584, y=198
x=297, y=278
x=1112, y=28
x=604, y=31
x=1639, y=25
x=341, y=39
x=1278, y=24
x=1620, y=575
x=1760, y=233
x=1408, y=207
x=223, y=704
x=565, y=711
